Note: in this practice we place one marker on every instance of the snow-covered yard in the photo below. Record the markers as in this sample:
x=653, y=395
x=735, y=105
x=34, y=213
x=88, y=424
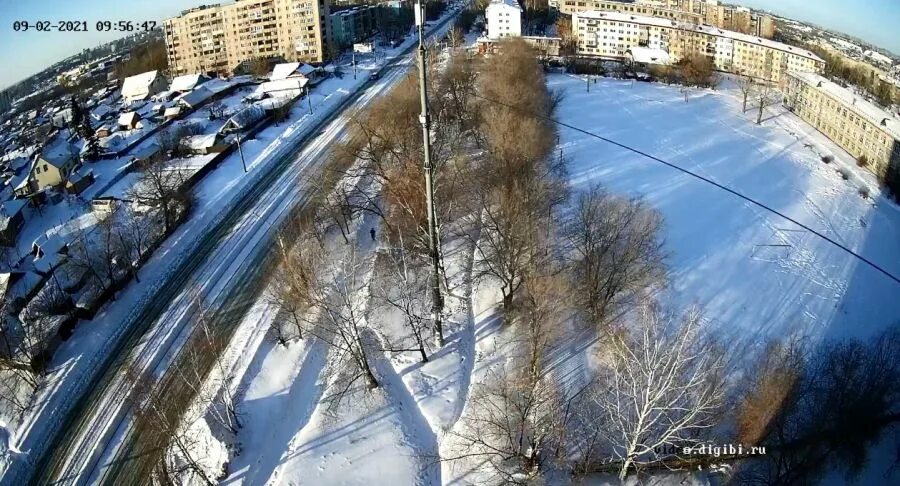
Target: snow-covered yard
x=757, y=275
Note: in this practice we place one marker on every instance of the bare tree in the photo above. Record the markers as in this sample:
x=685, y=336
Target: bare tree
x=661, y=388
x=294, y=281
x=512, y=427
x=539, y=316
x=764, y=92
x=407, y=293
x=163, y=188
x=842, y=401
x=98, y=253
x=135, y=233
x=158, y=421
x=340, y=318
x=507, y=243
x=617, y=251
x=217, y=110
x=746, y=85
x=456, y=37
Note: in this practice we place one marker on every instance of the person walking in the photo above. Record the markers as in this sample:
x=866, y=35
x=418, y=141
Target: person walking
x=372, y=232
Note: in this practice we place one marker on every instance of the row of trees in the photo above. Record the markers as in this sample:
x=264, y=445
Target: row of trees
x=96, y=263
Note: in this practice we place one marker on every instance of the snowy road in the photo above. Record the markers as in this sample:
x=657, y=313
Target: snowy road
x=99, y=433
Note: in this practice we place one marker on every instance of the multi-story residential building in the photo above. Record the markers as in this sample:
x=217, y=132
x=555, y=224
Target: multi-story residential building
x=195, y=41
x=220, y=37
x=353, y=25
x=709, y=12
x=504, y=19
x=611, y=34
x=630, y=7
x=858, y=126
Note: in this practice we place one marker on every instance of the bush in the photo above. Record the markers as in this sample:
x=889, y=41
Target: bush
x=864, y=192
x=828, y=159
x=862, y=161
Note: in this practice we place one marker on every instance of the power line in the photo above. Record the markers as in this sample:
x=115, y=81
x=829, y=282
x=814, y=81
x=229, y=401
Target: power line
x=701, y=178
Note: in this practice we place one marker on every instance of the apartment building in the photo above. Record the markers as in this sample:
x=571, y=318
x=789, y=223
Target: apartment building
x=709, y=12
x=504, y=19
x=195, y=41
x=858, y=126
x=353, y=25
x=629, y=6
x=220, y=37
x=611, y=34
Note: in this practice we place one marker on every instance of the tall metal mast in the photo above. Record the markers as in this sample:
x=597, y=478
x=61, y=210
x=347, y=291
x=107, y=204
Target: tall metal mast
x=437, y=301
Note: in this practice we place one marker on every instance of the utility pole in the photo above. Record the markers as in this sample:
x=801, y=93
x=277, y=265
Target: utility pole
x=437, y=301
x=309, y=99
x=240, y=150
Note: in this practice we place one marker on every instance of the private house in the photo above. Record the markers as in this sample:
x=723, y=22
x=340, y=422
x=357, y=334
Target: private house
x=104, y=131
x=205, y=144
x=295, y=70
x=53, y=165
x=142, y=86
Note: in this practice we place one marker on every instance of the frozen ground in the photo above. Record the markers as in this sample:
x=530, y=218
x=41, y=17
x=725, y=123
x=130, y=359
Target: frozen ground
x=720, y=246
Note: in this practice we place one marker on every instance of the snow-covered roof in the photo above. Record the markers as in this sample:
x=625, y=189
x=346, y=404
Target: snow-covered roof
x=646, y=55
x=289, y=69
x=58, y=152
x=101, y=111
x=172, y=111
x=113, y=143
x=128, y=118
x=244, y=118
x=145, y=151
x=8, y=210
x=283, y=87
x=672, y=24
x=187, y=82
x=505, y=3
x=195, y=97
x=881, y=118
x=198, y=142
x=138, y=86
x=19, y=181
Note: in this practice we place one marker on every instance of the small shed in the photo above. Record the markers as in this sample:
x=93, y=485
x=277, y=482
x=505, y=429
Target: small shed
x=130, y=120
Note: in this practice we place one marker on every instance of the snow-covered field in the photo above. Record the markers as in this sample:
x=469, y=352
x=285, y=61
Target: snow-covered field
x=720, y=247
x=753, y=274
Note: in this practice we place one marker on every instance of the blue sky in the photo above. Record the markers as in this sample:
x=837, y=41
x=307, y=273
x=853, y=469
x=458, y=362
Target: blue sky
x=23, y=54
x=875, y=21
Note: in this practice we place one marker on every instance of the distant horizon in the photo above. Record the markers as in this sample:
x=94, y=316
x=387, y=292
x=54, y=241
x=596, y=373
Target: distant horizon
x=26, y=54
